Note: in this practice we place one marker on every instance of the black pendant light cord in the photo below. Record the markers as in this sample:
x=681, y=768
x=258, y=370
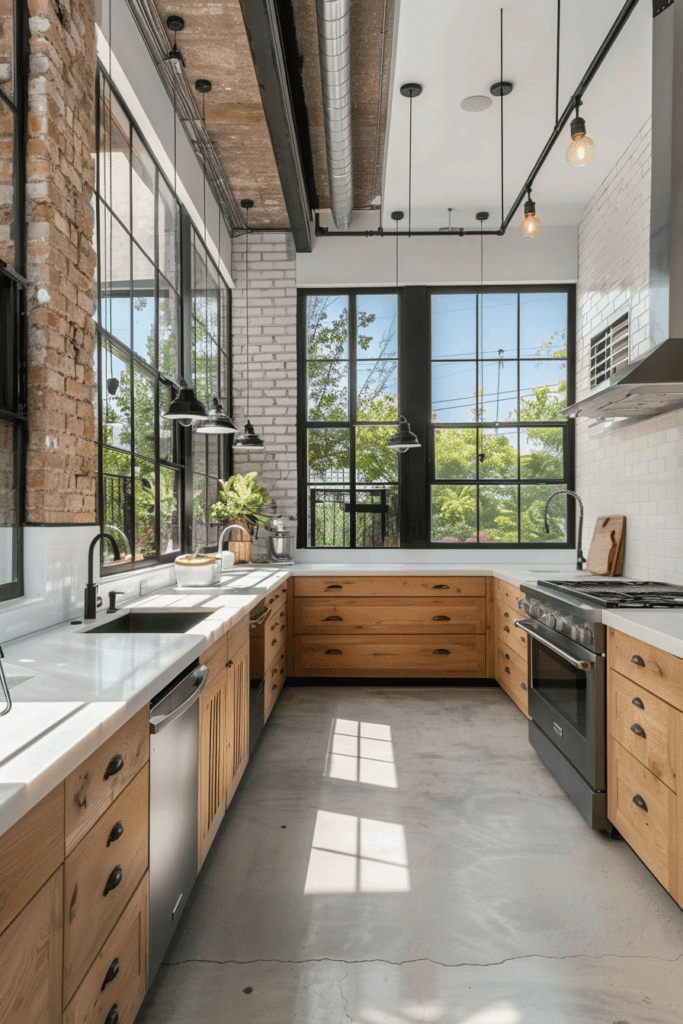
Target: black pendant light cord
x=502, y=164
x=246, y=299
x=206, y=254
x=557, y=66
x=410, y=167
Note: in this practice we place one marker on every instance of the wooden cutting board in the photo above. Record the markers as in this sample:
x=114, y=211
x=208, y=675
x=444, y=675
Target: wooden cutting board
x=606, y=554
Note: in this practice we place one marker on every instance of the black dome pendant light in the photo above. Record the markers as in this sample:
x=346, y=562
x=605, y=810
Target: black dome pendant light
x=248, y=439
x=404, y=438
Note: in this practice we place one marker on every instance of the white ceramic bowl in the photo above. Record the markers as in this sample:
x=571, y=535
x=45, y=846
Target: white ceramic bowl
x=197, y=575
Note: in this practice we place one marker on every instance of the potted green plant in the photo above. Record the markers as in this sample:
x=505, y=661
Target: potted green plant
x=241, y=501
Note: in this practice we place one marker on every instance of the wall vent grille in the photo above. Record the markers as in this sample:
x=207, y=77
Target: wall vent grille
x=609, y=351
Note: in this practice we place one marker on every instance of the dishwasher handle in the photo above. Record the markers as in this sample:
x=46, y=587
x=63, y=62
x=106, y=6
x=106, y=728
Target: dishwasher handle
x=200, y=676
x=253, y=623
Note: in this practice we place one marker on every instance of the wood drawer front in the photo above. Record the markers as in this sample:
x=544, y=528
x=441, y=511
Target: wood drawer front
x=661, y=673
x=512, y=673
x=277, y=598
x=88, y=793
x=506, y=615
x=358, y=615
x=390, y=586
x=238, y=635
x=508, y=594
x=644, y=725
x=31, y=851
x=31, y=958
x=275, y=680
x=651, y=832
x=514, y=638
x=124, y=955
x=390, y=656
x=89, y=915
x=216, y=657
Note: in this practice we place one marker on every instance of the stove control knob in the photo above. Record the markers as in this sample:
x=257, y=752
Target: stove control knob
x=524, y=605
x=548, y=619
x=587, y=635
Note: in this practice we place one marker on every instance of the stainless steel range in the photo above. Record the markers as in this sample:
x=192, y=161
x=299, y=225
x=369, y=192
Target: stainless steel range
x=567, y=690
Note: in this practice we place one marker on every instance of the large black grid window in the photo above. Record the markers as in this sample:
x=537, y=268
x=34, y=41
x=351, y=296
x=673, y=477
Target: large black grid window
x=351, y=411
x=148, y=468
x=13, y=107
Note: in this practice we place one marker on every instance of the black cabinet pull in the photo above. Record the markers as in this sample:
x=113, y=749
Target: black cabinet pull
x=639, y=802
x=506, y=629
x=441, y=650
x=441, y=618
x=230, y=664
x=111, y=973
x=115, y=833
x=638, y=702
x=114, y=879
x=334, y=586
x=637, y=660
x=333, y=650
x=441, y=586
x=507, y=670
x=113, y=1015
x=638, y=730
x=524, y=686
x=334, y=618
x=114, y=766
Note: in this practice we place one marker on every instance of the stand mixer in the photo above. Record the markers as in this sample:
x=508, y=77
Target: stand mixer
x=279, y=540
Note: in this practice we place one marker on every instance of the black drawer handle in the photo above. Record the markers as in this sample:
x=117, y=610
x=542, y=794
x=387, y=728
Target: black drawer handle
x=334, y=586
x=113, y=1015
x=441, y=650
x=506, y=629
x=507, y=656
x=638, y=730
x=333, y=618
x=507, y=670
x=230, y=664
x=115, y=833
x=637, y=660
x=111, y=973
x=506, y=615
x=638, y=703
x=441, y=586
x=441, y=618
x=639, y=802
x=114, y=766
x=333, y=650
x=274, y=686
x=524, y=686
x=114, y=879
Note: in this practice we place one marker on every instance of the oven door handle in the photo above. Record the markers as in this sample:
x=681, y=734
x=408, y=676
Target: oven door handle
x=585, y=666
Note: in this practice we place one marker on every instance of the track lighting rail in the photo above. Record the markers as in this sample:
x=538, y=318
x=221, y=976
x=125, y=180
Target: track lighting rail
x=576, y=98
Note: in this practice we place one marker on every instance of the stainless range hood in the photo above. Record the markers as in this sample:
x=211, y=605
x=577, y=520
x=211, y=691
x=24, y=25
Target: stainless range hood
x=654, y=384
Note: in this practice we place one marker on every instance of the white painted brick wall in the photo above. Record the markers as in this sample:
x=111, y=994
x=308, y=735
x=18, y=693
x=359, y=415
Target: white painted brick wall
x=272, y=363
x=636, y=470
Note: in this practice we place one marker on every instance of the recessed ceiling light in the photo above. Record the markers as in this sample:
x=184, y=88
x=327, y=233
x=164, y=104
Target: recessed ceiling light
x=475, y=104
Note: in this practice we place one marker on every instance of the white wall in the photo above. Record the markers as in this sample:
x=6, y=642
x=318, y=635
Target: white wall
x=634, y=470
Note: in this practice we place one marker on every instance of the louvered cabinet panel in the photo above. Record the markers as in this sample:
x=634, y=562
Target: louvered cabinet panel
x=213, y=768
x=238, y=726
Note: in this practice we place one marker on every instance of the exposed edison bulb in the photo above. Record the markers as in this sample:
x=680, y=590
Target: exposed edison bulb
x=531, y=225
x=581, y=149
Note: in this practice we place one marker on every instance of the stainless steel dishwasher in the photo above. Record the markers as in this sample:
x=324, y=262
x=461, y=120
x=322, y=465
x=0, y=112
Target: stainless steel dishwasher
x=173, y=796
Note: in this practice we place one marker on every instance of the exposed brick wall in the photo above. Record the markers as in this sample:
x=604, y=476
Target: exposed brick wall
x=272, y=369
x=62, y=458
x=636, y=470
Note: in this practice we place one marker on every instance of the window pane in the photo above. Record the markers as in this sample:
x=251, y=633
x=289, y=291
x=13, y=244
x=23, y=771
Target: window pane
x=169, y=502
x=211, y=301
x=114, y=159
x=454, y=392
x=376, y=323
x=328, y=391
x=329, y=457
x=198, y=281
x=377, y=384
x=8, y=505
x=168, y=233
x=7, y=72
x=205, y=363
x=199, y=511
x=117, y=488
x=143, y=307
x=7, y=252
x=145, y=507
x=454, y=513
x=455, y=454
x=115, y=277
x=498, y=325
x=143, y=175
x=499, y=390
x=454, y=326
x=144, y=413
x=543, y=389
x=169, y=329
x=533, y=499
x=543, y=324
x=199, y=463
x=542, y=453
x=327, y=327
x=377, y=528
x=115, y=392
x=374, y=460
x=166, y=435
x=499, y=451
x=498, y=515
x=213, y=444
x=329, y=522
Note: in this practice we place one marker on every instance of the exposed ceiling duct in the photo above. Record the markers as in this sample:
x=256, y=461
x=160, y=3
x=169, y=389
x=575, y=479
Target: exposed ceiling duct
x=334, y=44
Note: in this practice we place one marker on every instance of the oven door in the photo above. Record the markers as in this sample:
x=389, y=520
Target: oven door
x=567, y=698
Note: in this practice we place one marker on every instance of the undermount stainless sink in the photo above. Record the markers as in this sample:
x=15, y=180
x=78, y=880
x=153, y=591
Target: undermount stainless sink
x=151, y=622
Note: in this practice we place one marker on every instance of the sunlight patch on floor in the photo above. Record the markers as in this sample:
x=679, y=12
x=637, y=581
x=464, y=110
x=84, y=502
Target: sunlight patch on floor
x=362, y=752
x=351, y=854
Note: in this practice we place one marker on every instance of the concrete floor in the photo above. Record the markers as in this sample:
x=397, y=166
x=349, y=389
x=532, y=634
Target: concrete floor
x=400, y=856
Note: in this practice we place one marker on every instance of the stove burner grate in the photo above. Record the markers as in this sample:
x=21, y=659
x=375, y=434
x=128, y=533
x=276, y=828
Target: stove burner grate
x=623, y=594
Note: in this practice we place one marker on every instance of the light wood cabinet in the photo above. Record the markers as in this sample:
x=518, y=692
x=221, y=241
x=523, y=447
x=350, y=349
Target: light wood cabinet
x=390, y=586
x=358, y=615
x=31, y=959
x=238, y=721
x=275, y=680
x=512, y=654
x=401, y=657
x=215, y=743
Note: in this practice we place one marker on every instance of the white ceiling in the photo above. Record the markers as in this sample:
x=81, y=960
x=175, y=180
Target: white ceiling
x=452, y=49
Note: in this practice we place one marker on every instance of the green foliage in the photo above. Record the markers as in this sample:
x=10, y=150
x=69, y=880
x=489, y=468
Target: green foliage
x=239, y=497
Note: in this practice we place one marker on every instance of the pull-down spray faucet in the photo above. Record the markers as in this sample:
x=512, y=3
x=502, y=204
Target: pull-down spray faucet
x=580, y=559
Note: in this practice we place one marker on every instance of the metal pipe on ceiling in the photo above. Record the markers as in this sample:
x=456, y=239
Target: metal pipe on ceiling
x=334, y=45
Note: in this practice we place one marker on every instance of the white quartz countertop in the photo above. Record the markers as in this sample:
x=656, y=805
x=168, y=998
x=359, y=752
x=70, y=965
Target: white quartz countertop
x=661, y=627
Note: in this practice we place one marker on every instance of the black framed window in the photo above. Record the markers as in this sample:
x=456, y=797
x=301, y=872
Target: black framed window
x=481, y=374
x=13, y=108
x=349, y=368
x=160, y=315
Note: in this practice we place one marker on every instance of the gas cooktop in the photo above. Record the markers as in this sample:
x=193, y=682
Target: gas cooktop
x=621, y=593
